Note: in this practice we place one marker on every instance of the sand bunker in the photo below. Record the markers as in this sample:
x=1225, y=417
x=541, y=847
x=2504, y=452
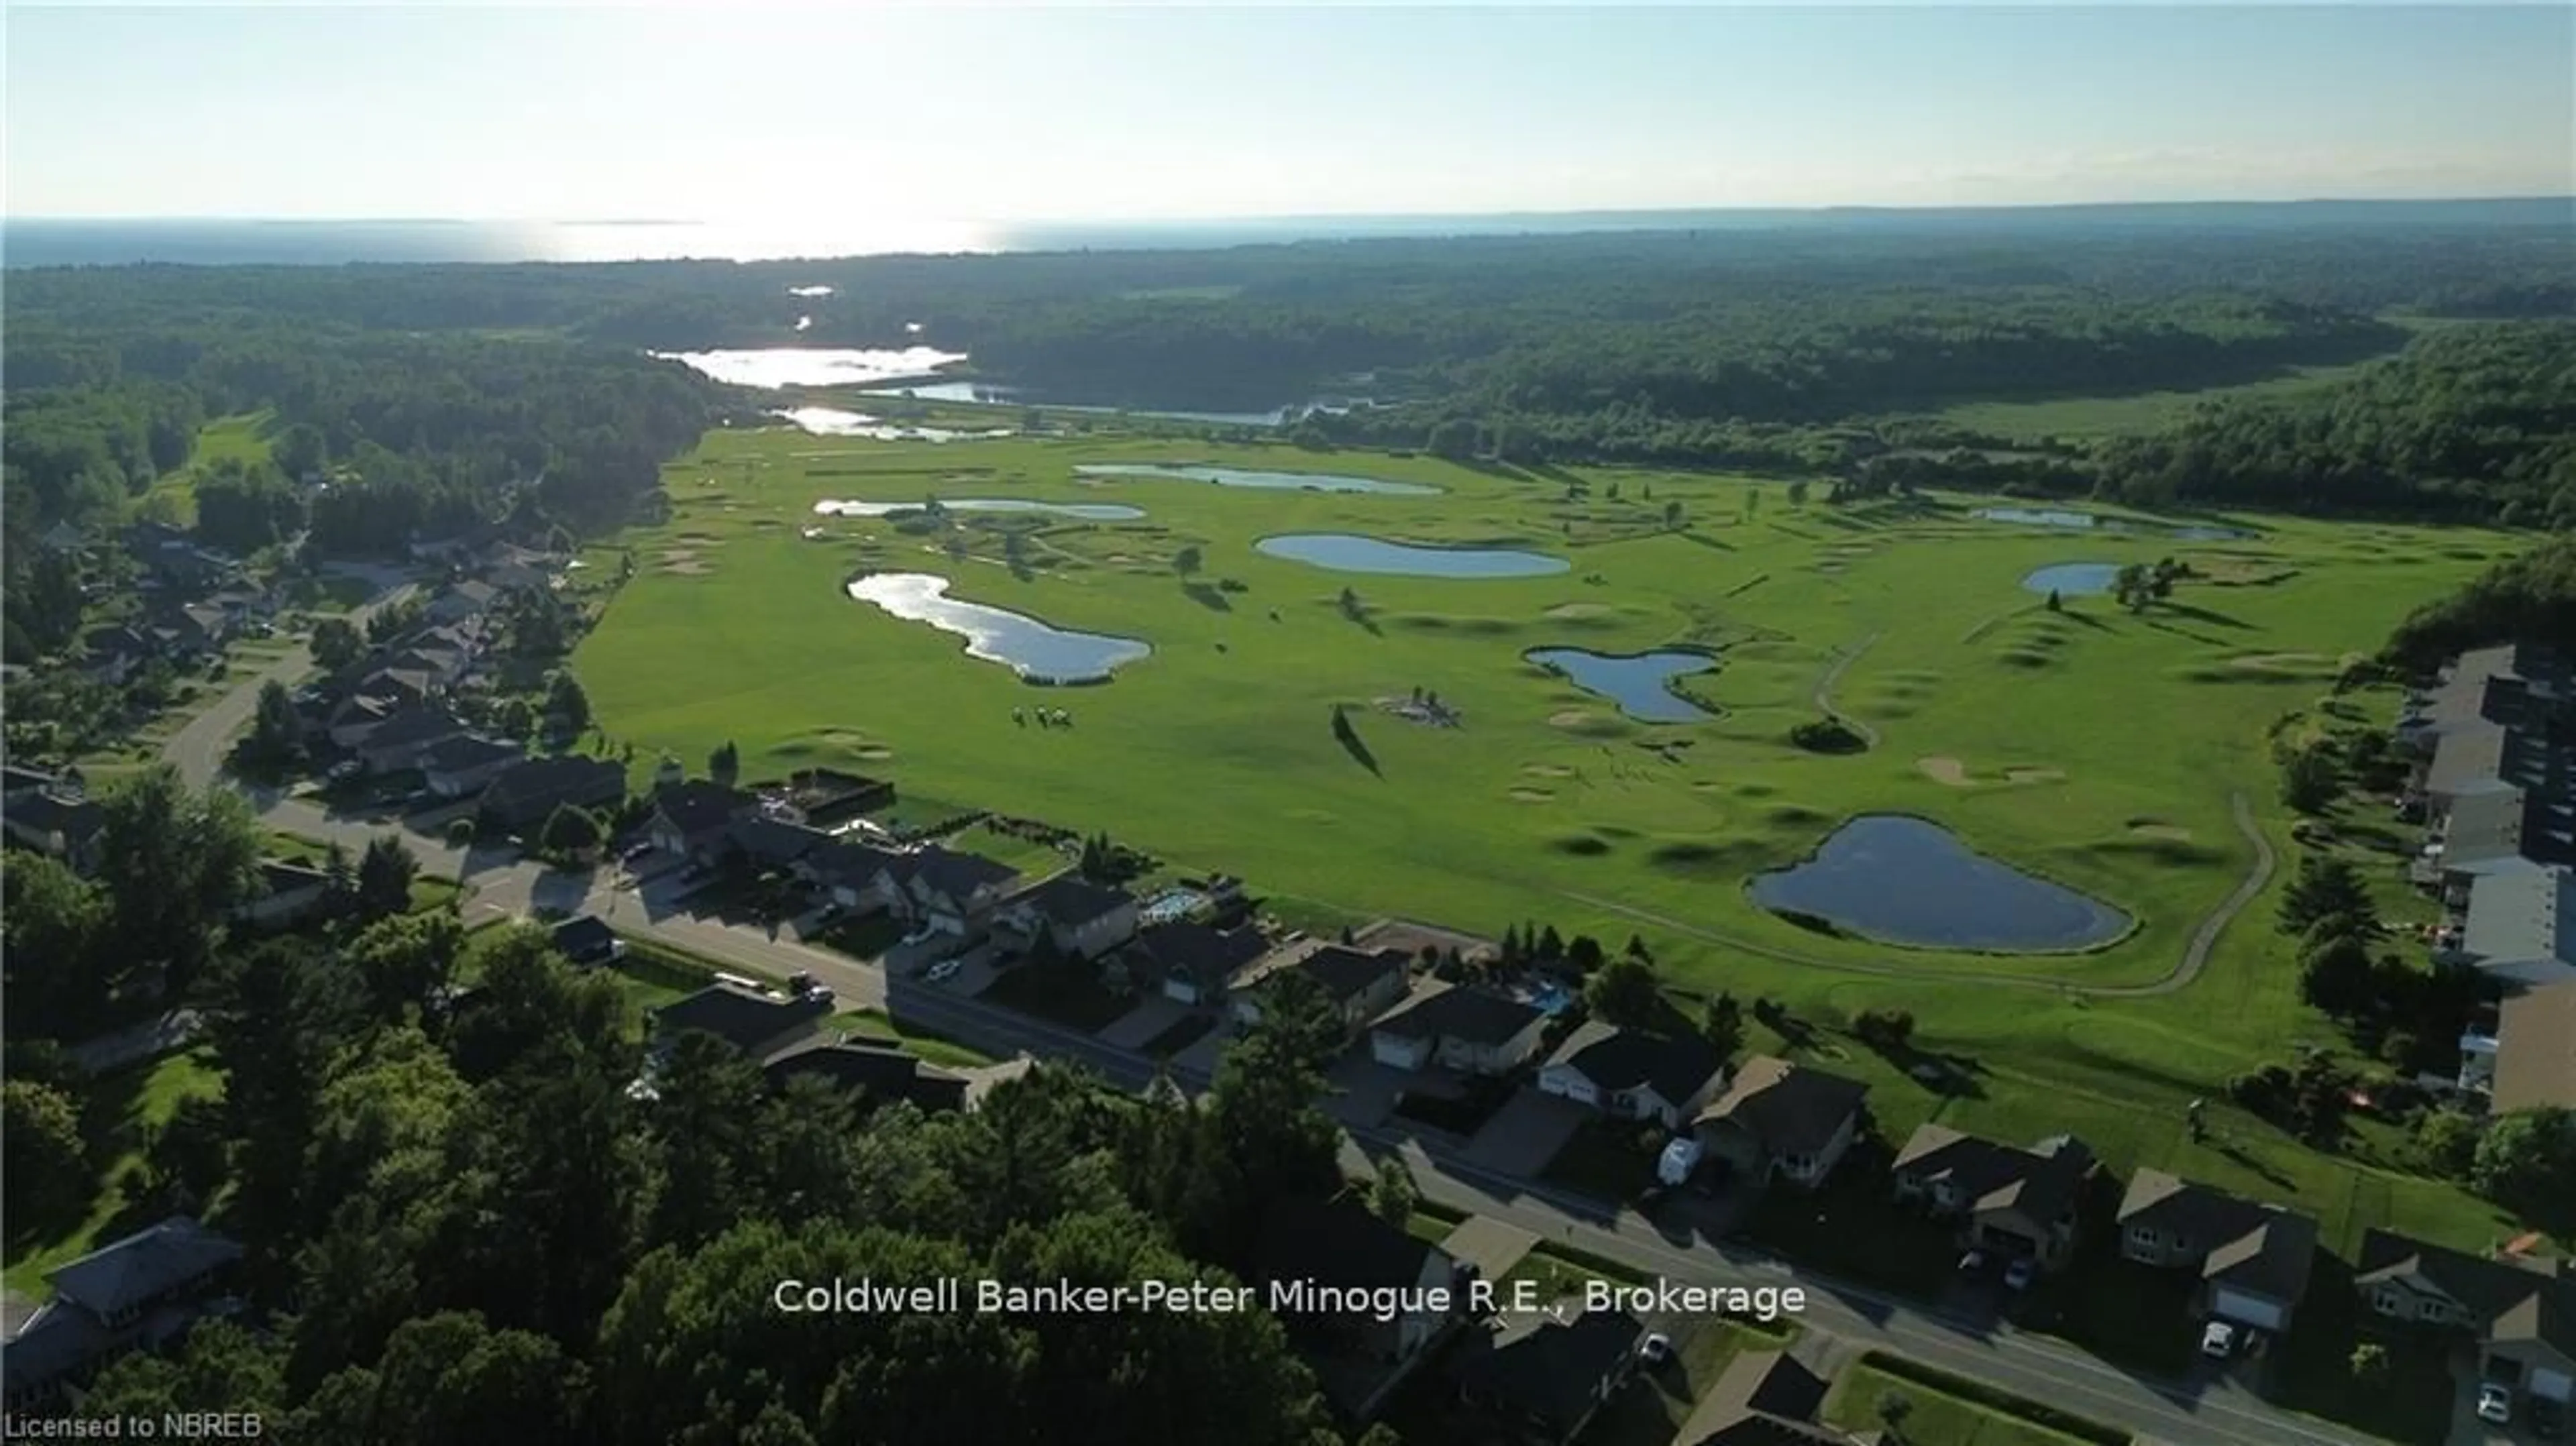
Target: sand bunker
x=1945, y=770
x=1576, y=611
x=1547, y=770
x=1532, y=795
x=2161, y=830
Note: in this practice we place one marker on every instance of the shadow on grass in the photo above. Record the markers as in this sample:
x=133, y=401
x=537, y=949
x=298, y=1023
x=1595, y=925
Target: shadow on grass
x=1358, y=750
x=1207, y=595
x=2206, y=615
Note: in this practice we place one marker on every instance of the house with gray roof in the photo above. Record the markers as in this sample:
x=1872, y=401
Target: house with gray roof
x=2520, y=1311
x=1632, y=1074
x=1082, y=919
x=1356, y=985
x=880, y=1071
x=137, y=1293
x=1782, y=1120
x=1460, y=1027
x=1533, y=1378
x=759, y=1024
x=1191, y=962
x=2520, y=927
x=2535, y=1049
x=2022, y=1203
x=2253, y=1259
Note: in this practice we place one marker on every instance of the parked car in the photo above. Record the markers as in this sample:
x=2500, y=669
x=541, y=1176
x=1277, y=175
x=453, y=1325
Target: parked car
x=1656, y=1349
x=944, y=970
x=1972, y=1262
x=2218, y=1342
x=344, y=770
x=2548, y=1419
x=634, y=851
x=2019, y=1274
x=922, y=935
x=2495, y=1404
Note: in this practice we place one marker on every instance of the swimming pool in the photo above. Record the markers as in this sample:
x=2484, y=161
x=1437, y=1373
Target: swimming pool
x=1170, y=904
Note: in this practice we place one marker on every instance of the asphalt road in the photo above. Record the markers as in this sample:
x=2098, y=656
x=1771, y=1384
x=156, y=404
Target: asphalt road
x=2219, y=1412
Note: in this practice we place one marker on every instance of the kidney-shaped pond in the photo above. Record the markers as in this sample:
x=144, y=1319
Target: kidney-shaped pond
x=1032, y=649
x=1087, y=511
x=1349, y=552
x=1904, y=880
x=1637, y=682
x=1239, y=477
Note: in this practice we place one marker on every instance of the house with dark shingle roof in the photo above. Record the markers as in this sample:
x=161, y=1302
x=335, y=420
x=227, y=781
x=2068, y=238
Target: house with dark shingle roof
x=1782, y=1119
x=2521, y=1311
x=461, y=766
x=2020, y=1202
x=1630, y=1074
x=773, y=842
x=757, y=1023
x=856, y=874
x=948, y=892
x=882, y=1071
x=52, y=822
x=1762, y=1398
x=1357, y=985
x=290, y=894
x=523, y=796
x=588, y=940
x=1359, y=1357
x=1193, y=963
x=138, y=1293
x=2253, y=1258
x=1530, y=1377
x=1084, y=920
x=1459, y=1027
x=694, y=819
x=401, y=740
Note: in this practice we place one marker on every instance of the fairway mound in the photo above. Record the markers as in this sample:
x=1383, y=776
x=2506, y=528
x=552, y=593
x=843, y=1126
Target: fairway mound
x=1586, y=723
x=2157, y=828
x=1793, y=815
x=1700, y=859
x=1444, y=623
x=1580, y=845
x=2298, y=664
x=1945, y=770
x=1532, y=795
x=2024, y=658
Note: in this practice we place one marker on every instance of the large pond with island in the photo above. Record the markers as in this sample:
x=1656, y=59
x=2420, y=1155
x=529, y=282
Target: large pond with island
x=1350, y=552
x=1902, y=880
x=1038, y=652
x=1640, y=683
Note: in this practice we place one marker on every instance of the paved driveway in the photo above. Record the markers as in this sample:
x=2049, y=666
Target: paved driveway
x=1138, y=1026
x=1525, y=1134
x=1363, y=1090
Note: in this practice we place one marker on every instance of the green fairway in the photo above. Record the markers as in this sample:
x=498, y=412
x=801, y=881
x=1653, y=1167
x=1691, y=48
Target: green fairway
x=244, y=435
x=2094, y=748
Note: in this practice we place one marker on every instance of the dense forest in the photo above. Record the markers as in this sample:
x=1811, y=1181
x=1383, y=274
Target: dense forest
x=2528, y=596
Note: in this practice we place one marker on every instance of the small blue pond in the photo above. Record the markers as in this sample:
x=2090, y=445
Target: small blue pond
x=1349, y=552
x=1904, y=880
x=2086, y=521
x=1239, y=477
x=2073, y=579
x=1637, y=682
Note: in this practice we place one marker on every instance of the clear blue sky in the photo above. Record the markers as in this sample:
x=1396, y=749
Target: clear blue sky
x=1073, y=113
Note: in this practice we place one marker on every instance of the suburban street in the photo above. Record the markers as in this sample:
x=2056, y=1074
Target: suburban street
x=497, y=883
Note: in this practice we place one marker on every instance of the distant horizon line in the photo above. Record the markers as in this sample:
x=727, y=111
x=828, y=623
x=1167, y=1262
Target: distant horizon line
x=1287, y=217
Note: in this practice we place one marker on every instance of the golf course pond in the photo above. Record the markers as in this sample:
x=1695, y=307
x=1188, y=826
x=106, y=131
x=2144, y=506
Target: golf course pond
x=2073, y=579
x=1087, y=511
x=1637, y=682
x=774, y=367
x=1240, y=477
x=2086, y=521
x=835, y=422
x=1903, y=880
x=1350, y=552
x=1032, y=649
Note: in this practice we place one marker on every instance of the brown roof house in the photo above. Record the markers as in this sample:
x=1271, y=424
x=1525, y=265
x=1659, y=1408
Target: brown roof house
x=2253, y=1259
x=2535, y=1049
x=2521, y=1312
x=2021, y=1202
x=1782, y=1119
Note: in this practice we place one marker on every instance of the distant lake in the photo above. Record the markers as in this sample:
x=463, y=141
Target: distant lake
x=1909, y=881
x=1088, y=511
x=1037, y=652
x=2073, y=579
x=1349, y=552
x=997, y=394
x=2086, y=521
x=813, y=366
x=1239, y=477
x=1635, y=681
x=834, y=422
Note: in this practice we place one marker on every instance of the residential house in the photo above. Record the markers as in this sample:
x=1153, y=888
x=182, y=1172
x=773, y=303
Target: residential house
x=858, y=876
x=587, y=939
x=191, y=632
x=2021, y=1203
x=115, y=653
x=63, y=537
x=1530, y=1377
x=24, y=782
x=55, y=821
x=759, y=1024
x=882, y=1071
x=1782, y=1119
x=2521, y=1312
x=1359, y=1357
x=2521, y=926
x=1083, y=920
x=824, y=797
x=138, y=1293
x=1460, y=1027
x=771, y=842
x=2535, y=1049
x=948, y=892
x=2253, y=1259
x=290, y=894
x=1631, y=1074
x=1762, y=1398
x=526, y=794
x=1193, y=963
x=462, y=766
x=466, y=600
x=403, y=738
x=694, y=820
x=378, y=695
x=1358, y=986
x=173, y=559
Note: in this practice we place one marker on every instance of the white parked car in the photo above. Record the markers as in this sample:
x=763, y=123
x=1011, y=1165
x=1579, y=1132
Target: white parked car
x=2495, y=1404
x=1655, y=1349
x=2219, y=1341
x=944, y=970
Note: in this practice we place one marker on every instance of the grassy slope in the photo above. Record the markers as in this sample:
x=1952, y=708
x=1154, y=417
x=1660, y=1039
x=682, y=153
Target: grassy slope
x=118, y=1111
x=1223, y=759
x=243, y=435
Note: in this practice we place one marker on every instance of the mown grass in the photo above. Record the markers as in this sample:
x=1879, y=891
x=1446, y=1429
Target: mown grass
x=243, y=435
x=119, y=1112
x=2090, y=418
x=1217, y=752
x=1932, y=1418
